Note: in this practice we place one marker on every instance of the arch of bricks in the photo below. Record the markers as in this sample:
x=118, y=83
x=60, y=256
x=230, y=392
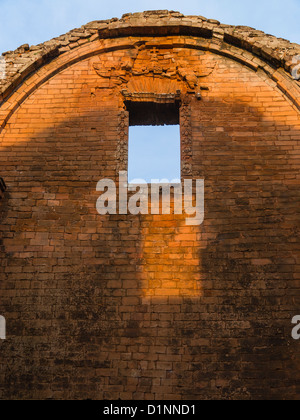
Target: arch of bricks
x=255, y=49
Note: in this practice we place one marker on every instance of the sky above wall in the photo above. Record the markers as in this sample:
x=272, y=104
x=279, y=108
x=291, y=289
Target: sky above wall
x=37, y=21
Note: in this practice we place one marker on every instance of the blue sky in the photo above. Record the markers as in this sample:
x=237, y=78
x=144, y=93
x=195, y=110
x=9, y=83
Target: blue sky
x=36, y=21
x=154, y=153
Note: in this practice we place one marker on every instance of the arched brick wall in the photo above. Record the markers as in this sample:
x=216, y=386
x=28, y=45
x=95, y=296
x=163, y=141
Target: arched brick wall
x=141, y=307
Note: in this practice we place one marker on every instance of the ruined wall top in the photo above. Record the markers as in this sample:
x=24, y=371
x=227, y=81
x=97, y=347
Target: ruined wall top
x=22, y=62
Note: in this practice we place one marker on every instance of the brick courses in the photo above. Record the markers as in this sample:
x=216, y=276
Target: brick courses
x=144, y=307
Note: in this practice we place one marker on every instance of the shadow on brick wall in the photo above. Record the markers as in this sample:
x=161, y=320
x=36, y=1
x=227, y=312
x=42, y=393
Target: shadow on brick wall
x=79, y=325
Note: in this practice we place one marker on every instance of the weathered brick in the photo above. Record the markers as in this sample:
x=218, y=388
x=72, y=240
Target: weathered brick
x=146, y=307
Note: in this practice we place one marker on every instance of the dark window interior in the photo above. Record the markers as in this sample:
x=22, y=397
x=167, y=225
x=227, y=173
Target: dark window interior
x=153, y=113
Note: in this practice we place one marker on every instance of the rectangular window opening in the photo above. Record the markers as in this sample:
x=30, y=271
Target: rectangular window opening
x=154, y=142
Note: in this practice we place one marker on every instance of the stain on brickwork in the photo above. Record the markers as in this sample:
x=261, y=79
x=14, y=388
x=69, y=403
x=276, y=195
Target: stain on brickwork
x=144, y=307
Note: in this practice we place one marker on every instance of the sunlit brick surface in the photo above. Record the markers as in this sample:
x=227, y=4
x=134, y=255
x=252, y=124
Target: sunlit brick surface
x=144, y=307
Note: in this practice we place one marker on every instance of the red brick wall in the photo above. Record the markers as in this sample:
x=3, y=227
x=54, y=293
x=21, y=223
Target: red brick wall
x=143, y=307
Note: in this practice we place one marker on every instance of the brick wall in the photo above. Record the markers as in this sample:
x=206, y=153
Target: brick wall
x=2, y=187
x=144, y=307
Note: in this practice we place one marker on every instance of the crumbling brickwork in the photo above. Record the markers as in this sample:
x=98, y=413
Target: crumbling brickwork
x=144, y=307
x=2, y=187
